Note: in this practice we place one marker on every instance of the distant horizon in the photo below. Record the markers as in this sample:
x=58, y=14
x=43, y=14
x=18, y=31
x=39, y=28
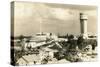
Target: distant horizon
x=54, y=34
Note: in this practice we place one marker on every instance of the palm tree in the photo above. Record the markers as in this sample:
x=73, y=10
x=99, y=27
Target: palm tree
x=80, y=42
x=22, y=42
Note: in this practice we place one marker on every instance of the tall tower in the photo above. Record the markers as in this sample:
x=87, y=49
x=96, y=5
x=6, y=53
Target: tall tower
x=83, y=22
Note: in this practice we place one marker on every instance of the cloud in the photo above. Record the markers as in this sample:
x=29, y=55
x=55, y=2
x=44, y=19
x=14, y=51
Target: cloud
x=60, y=13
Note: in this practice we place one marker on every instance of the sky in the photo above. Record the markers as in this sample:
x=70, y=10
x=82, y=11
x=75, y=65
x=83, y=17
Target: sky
x=29, y=18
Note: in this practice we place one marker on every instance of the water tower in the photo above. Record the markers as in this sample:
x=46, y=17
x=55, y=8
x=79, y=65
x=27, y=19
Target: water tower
x=83, y=24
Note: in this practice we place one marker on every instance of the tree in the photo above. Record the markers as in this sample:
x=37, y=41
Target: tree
x=21, y=37
x=22, y=42
x=70, y=37
x=81, y=42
